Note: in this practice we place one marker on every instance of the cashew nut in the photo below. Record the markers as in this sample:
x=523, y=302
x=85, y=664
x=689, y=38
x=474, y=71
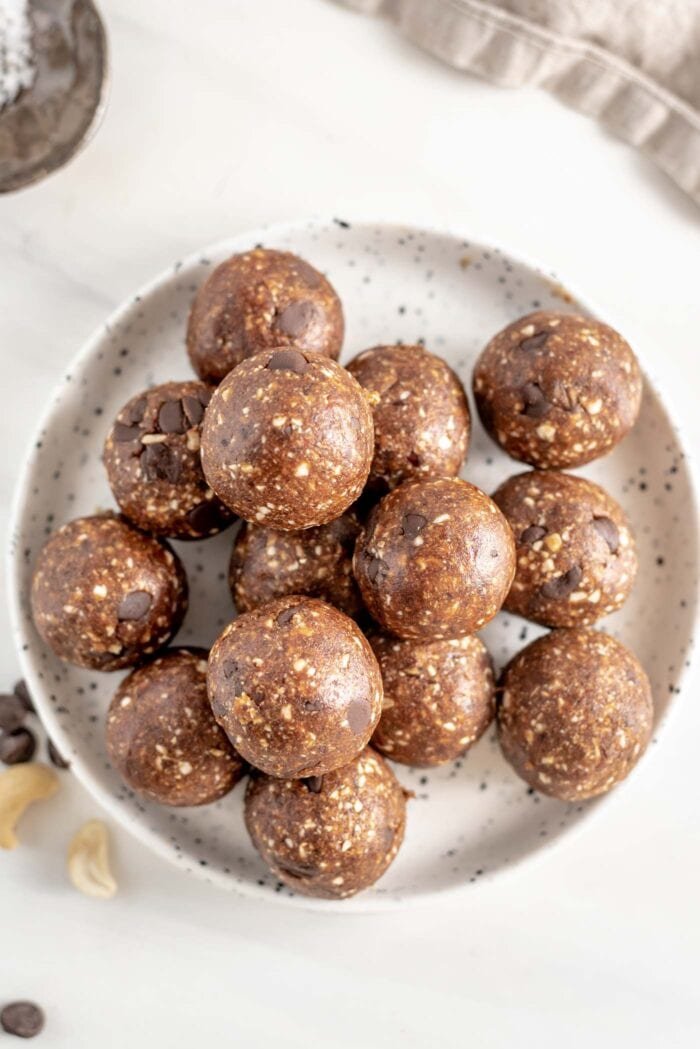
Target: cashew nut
x=19, y=787
x=88, y=861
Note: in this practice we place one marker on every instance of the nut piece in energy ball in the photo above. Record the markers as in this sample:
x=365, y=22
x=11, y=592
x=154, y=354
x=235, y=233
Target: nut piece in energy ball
x=256, y=301
x=438, y=698
x=331, y=835
x=436, y=560
x=104, y=595
x=421, y=415
x=162, y=737
x=575, y=553
x=296, y=687
x=574, y=713
x=288, y=440
x=153, y=464
x=266, y=564
x=557, y=390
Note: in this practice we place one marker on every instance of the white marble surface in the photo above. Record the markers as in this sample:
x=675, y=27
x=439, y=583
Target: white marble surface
x=225, y=115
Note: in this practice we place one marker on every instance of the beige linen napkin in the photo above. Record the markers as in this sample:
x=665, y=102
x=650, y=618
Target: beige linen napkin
x=633, y=64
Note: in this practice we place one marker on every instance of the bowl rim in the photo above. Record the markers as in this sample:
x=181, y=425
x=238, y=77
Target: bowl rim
x=361, y=903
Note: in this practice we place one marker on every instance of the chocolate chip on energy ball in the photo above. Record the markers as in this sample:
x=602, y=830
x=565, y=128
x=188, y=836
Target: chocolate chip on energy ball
x=122, y=432
x=17, y=747
x=564, y=584
x=532, y=533
x=296, y=318
x=171, y=418
x=608, y=530
x=536, y=404
x=314, y=784
x=534, y=342
x=23, y=1019
x=12, y=712
x=158, y=463
x=134, y=606
x=413, y=524
x=288, y=360
x=193, y=409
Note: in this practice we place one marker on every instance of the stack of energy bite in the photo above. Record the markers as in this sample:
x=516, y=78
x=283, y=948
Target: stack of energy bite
x=362, y=568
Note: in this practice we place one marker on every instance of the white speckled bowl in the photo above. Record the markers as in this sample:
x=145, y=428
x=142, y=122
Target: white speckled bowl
x=471, y=820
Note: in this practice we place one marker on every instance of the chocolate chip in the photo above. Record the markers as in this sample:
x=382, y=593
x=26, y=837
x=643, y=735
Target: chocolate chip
x=359, y=715
x=536, y=404
x=12, y=712
x=159, y=463
x=121, y=433
x=297, y=870
x=134, y=606
x=414, y=458
x=608, y=530
x=286, y=615
x=17, y=747
x=171, y=418
x=413, y=524
x=295, y=318
x=533, y=342
x=288, y=360
x=55, y=757
x=205, y=395
x=24, y=1019
x=135, y=412
x=532, y=534
x=231, y=669
x=22, y=692
x=205, y=518
x=193, y=409
x=564, y=584
x=314, y=784
x=377, y=569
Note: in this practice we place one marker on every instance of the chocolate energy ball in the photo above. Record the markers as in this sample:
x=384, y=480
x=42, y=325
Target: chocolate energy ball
x=256, y=301
x=557, y=390
x=266, y=564
x=574, y=713
x=162, y=737
x=575, y=553
x=331, y=835
x=436, y=560
x=104, y=595
x=153, y=464
x=296, y=687
x=438, y=698
x=288, y=440
x=421, y=415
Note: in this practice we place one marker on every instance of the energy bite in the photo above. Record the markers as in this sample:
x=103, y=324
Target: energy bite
x=162, y=737
x=258, y=300
x=576, y=559
x=295, y=686
x=436, y=560
x=266, y=564
x=438, y=698
x=288, y=439
x=557, y=390
x=331, y=835
x=421, y=415
x=574, y=713
x=153, y=466
x=104, y=595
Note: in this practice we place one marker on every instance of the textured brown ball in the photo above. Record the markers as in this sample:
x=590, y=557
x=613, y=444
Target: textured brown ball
x=438, y=698
x=288, y=440
x=420, y=411
x=436, y=560
x=574, y=714
x=266, y=564
x=162, y=737
x=296, y=687
x=332, y=835
x=575, y=553
x=104, y=595
x=557, y=390
x=258, y=300
x=153, y=466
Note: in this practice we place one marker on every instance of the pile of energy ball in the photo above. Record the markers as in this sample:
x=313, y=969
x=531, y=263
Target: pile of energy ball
x=361, y=571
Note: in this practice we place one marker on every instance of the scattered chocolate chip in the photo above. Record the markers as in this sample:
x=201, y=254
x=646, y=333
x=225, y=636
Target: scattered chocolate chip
x=288, y=360
x=12, y=712
x=536, y=404
x=22, y=692
x=24, y=1019
x=159, y=463
x=359, y=715
x=532, y=534
x=286, y=615
x=413, y=524
x=205, y=518
x=171, y=418
x=314, y=784
x=135, y=605
x=55, y=757
x=607, y=530
x=295, y=318
x=564, y=584
x=377, y=569
x=135, y=412
x=17, y=747
x=533, y=342
x=193, y=409
x=122, y=433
